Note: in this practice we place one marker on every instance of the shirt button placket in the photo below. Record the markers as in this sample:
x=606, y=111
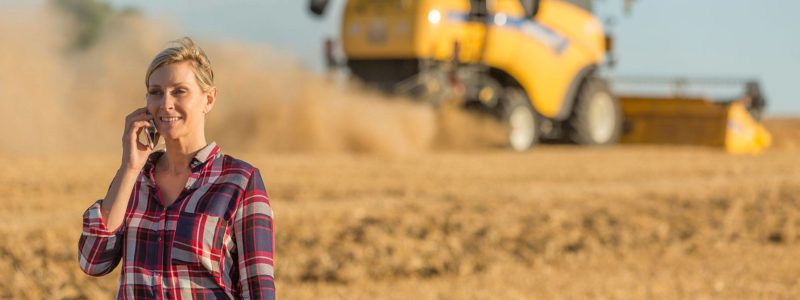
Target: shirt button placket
x=159, y=271
x=163, y=226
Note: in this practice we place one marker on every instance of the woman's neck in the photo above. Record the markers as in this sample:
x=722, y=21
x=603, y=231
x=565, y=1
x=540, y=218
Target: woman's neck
x=179, y=155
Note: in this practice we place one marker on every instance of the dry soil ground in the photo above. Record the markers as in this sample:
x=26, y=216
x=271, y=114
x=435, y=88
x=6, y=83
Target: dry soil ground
x=555, y=222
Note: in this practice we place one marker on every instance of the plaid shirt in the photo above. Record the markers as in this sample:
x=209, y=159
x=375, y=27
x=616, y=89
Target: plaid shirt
x=215, y=241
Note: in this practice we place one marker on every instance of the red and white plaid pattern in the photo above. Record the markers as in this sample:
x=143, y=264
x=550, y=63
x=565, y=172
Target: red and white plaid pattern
x=215, y=241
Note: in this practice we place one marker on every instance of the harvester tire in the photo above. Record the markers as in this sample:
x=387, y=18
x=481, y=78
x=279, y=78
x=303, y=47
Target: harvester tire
x=521, y=119
x=597, y=116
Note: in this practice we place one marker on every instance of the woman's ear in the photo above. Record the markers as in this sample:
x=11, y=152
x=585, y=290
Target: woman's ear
x=211, y=99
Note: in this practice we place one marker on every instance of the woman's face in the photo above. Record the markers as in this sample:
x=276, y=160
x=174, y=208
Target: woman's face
x=176, y=101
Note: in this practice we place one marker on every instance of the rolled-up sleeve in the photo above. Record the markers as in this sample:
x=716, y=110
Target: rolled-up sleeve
x=255, y=241
x=99, y=249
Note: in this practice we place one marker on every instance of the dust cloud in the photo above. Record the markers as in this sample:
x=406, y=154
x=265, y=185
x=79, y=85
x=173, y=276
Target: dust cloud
x=56, y=101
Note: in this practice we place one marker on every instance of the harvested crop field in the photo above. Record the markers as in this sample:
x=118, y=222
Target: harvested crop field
x=555, y=222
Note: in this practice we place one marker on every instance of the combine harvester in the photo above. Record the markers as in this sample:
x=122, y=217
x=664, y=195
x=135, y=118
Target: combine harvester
x=534, y=64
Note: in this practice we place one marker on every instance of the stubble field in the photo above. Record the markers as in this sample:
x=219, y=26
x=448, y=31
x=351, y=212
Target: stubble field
x=555, y=222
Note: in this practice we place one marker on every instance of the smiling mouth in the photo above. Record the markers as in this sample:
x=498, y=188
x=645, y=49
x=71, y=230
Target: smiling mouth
x=170, y=120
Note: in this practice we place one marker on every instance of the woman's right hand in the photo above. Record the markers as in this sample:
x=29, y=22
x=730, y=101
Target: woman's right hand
x=134, y=153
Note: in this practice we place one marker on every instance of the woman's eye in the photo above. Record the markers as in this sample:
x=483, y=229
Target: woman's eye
x=154, y=93
x=179, y=92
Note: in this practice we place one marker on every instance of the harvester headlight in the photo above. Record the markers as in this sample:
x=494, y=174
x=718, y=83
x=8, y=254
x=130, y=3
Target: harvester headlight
x=434, y=16
x=500, y=19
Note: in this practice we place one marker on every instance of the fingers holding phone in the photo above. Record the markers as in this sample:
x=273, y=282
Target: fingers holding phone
x=136, y=148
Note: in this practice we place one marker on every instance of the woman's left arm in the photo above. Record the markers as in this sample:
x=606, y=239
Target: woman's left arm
x=255, y=241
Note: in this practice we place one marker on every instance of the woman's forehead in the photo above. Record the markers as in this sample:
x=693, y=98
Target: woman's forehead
x=173, y=74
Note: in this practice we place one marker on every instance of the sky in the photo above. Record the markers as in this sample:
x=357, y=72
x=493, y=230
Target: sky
x=675, y=38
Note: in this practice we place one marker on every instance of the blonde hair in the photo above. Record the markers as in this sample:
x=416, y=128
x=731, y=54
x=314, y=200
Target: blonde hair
x=185, y=50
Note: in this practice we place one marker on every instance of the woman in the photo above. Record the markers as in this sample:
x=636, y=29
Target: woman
x=188, y=222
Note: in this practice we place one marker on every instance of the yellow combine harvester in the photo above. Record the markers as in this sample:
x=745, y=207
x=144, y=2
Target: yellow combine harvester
x=531, y=63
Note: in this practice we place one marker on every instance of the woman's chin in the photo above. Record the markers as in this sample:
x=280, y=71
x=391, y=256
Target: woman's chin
x=169, y=136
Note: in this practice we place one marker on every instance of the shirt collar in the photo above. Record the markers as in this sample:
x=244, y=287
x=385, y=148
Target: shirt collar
x=204, y=155
x=198, y=161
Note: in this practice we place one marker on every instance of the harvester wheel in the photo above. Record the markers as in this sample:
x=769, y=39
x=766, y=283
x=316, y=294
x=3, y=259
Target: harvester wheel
x=597, y=115
x=521, y=118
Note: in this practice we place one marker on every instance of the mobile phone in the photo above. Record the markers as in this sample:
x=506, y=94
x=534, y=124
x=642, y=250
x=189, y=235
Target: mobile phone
x=151, y=134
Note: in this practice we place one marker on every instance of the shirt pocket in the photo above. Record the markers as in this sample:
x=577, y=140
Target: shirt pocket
x=198, y=241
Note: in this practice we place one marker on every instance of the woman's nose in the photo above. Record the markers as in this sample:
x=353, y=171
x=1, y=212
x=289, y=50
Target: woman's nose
x=167, y=101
